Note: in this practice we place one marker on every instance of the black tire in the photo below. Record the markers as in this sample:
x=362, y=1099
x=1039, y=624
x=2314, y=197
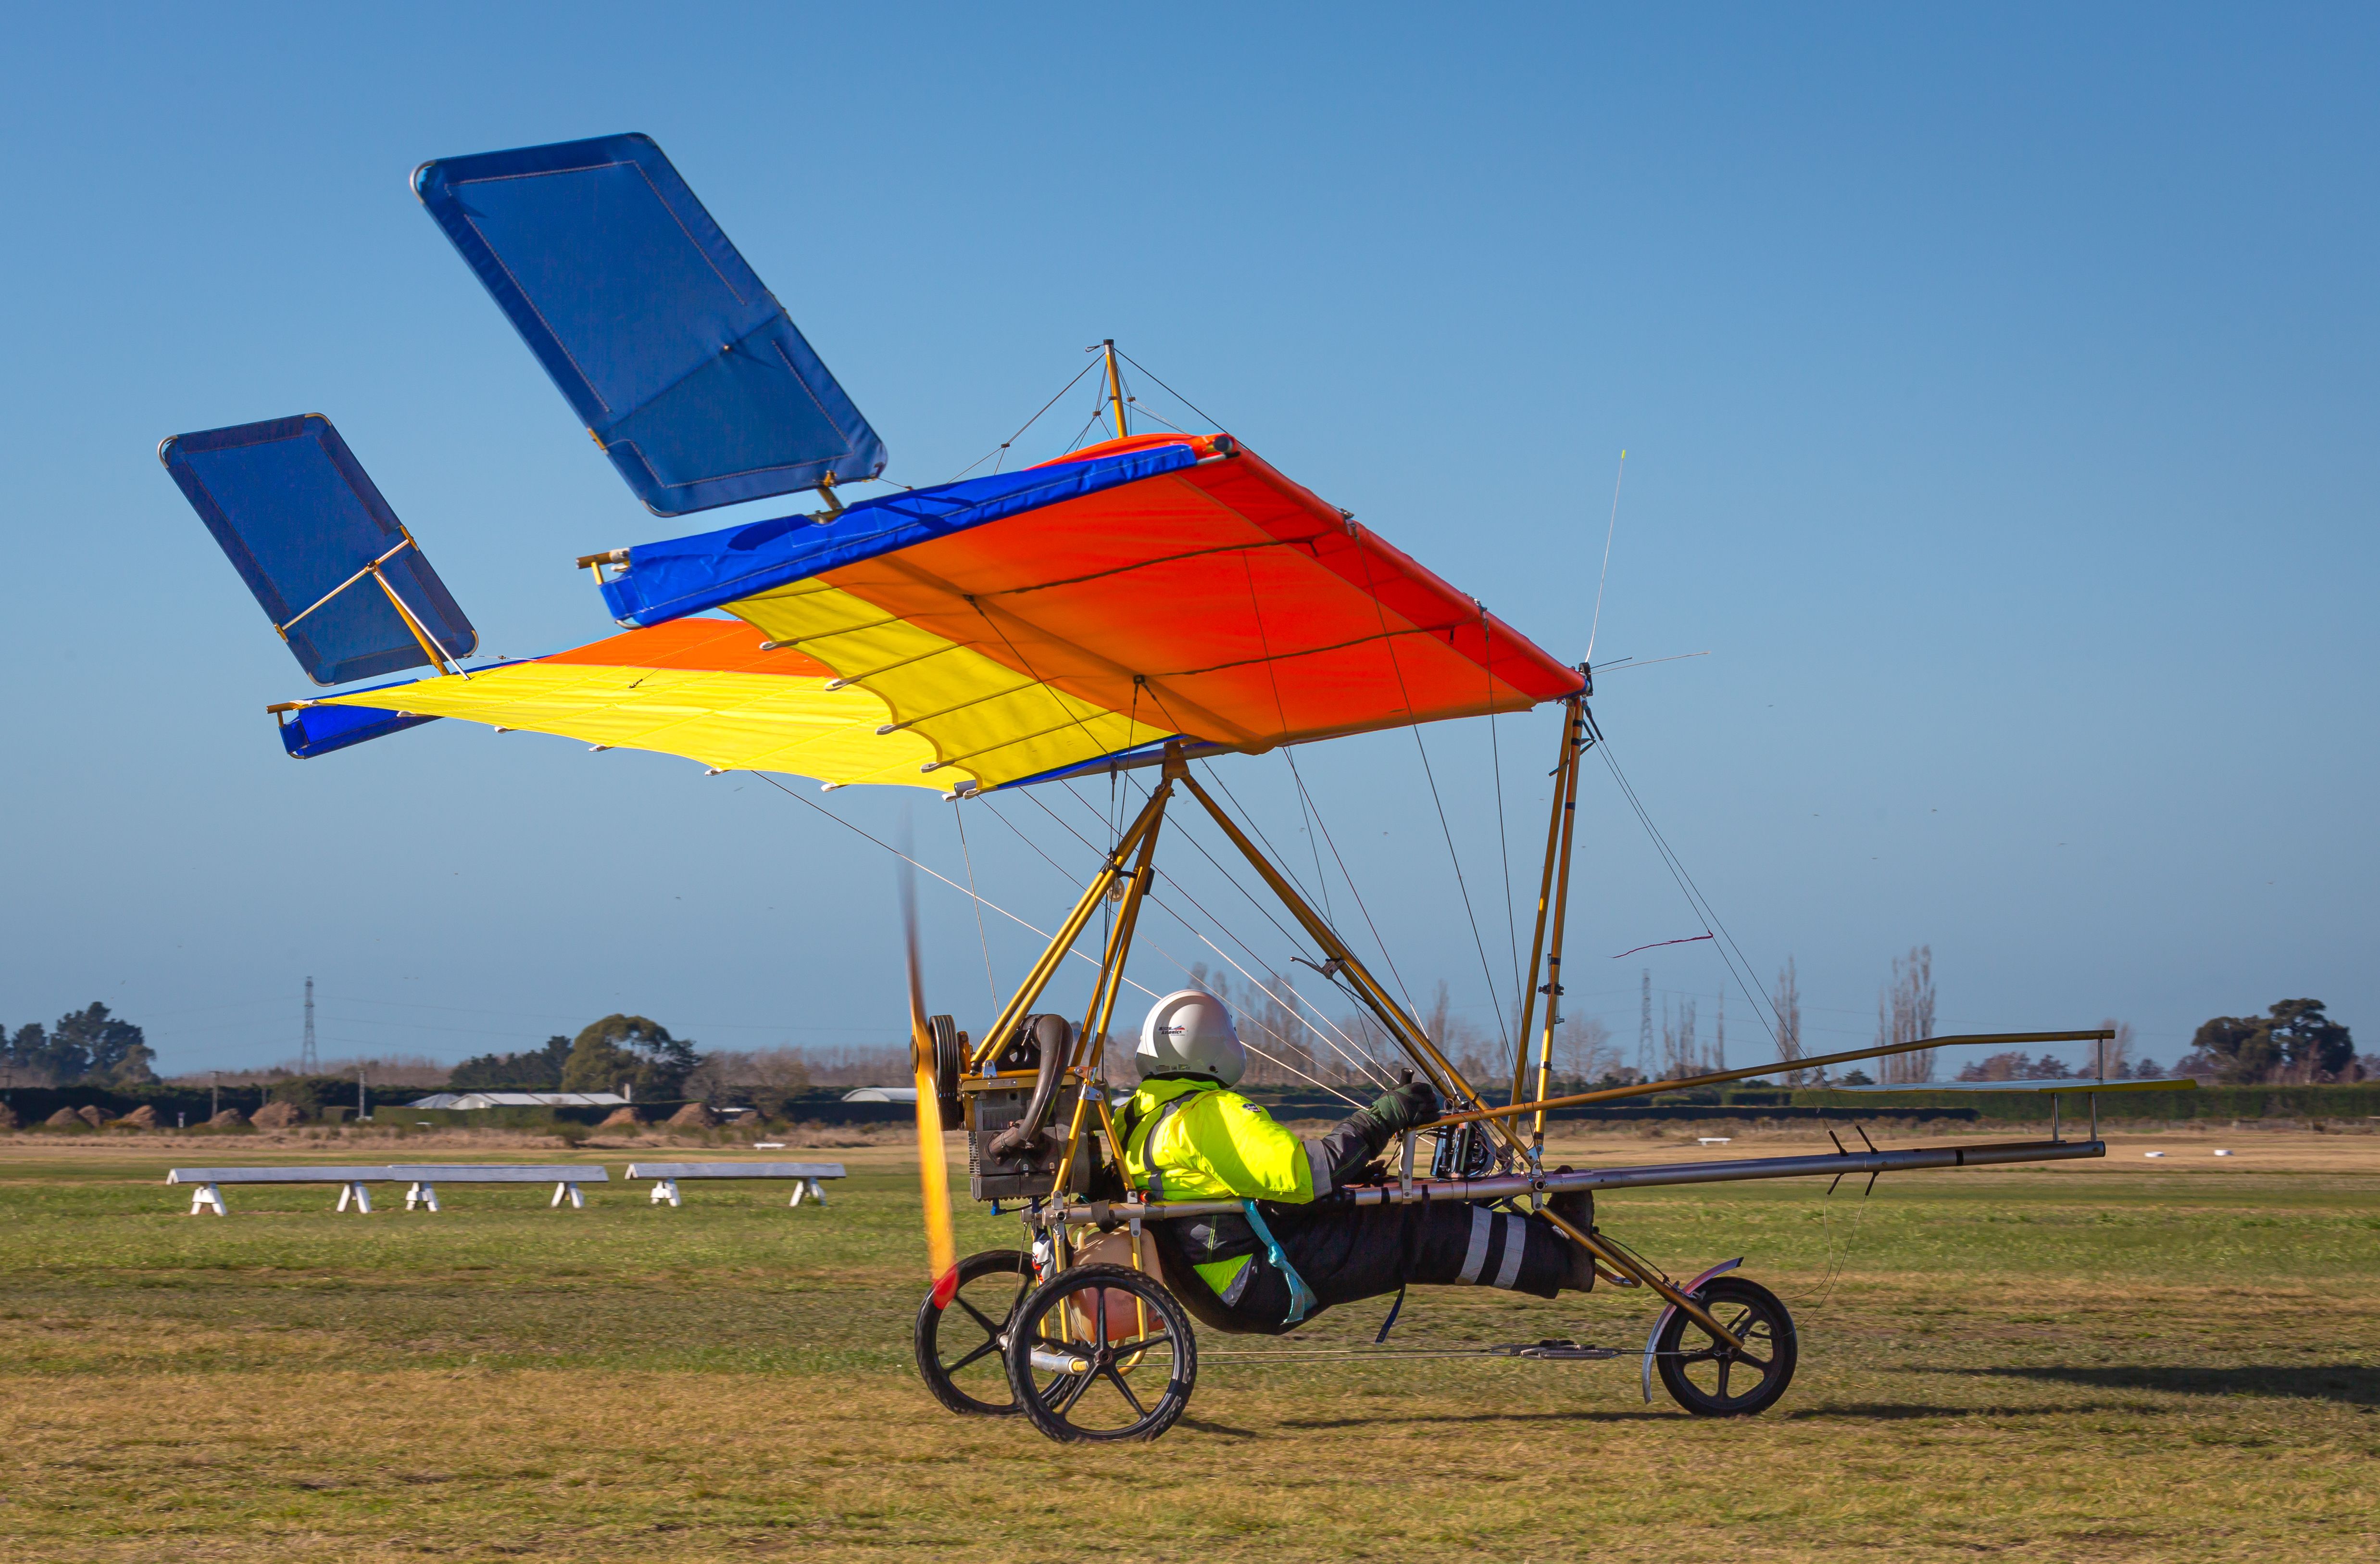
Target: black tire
x=967, y=1367
x=1708, y=1379
x=950, y=1063
x=1097, y=1403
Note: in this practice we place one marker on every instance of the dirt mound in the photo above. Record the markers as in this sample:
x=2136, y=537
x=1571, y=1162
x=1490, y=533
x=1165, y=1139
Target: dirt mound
x=90, y=1114
x=622, y=1119
x=694, y=1115
x=143, y=1118
x=229, y=1118
x=7, y=1116
x=277, y=1116
x=64, y=1119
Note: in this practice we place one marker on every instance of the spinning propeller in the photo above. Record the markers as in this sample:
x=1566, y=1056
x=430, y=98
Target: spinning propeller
x=933, y=1172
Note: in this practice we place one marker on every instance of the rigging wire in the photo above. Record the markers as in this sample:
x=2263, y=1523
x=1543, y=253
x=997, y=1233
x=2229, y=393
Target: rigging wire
x=1002, y=448
x=1004, y=912
x=1293, y=1011
x=1096, y=413
x=1228, y=933
x=1249, y=816
x=1212, y=422
x=1612, y=527
x=1313, y=840
x=914, y=863
x=984, y=939
x=1368, y=1064
x=1503, y=846
x=1503, y=1028
x=1701, y=906
x=1331, y=842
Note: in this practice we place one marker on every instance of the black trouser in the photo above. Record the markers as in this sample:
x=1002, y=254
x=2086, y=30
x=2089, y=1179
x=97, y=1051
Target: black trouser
x=1346, y=1254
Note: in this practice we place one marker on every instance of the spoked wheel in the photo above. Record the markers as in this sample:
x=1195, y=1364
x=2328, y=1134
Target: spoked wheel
x=960, y=1346
x=1710, y=1380
x=1102, y=1354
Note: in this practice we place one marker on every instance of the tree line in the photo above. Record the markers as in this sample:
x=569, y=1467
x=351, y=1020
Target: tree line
x=2295, y=1043
x=87, y=1047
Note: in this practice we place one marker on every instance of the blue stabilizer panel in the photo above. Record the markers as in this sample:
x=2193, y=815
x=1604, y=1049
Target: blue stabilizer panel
x=675, y=356
x=296, y=516
x=317, y=731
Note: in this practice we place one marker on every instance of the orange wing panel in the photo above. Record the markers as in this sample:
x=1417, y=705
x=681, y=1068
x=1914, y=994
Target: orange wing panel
x=702, y=645
x=1227, y=599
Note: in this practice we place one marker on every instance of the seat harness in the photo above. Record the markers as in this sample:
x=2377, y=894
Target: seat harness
x=1302, y=1300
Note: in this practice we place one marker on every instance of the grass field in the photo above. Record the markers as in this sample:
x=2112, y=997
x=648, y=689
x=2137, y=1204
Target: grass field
x=2171, y=1359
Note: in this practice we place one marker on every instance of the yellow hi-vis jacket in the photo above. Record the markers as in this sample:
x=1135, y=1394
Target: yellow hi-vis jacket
x=1215, y=1145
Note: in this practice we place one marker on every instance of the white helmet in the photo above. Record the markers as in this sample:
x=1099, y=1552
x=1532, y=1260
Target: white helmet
x=1191, y=1033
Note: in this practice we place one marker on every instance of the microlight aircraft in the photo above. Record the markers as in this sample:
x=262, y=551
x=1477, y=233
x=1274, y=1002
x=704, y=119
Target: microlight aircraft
x=1133, y=610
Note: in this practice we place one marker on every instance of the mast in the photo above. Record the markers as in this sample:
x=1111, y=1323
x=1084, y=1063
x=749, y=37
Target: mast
x=1115, y=388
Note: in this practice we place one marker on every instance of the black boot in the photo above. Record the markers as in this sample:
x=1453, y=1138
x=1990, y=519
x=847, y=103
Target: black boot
x=1577, y=1208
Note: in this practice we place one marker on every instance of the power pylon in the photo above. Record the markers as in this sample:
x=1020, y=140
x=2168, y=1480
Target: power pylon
x=308, y=1062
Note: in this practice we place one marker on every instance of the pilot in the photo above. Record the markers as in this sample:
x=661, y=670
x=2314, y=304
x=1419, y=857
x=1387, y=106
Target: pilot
x=1282, y=1259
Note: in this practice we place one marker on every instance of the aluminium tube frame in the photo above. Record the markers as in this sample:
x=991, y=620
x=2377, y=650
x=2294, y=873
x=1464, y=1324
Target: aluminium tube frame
x=1517, y=1186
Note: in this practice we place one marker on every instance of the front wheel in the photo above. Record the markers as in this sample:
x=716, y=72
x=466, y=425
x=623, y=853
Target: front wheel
x=1712, y=1380
x=1102, y=1354
x=960, y=1345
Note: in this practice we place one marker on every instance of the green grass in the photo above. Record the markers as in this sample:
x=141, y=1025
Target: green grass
x=2053, y=1364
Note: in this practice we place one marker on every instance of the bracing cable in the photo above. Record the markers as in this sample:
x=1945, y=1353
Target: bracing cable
x=1000, y=450
x=1503, y=845
x=1396, y=664
x=1331, y=842
x=989, y=982
x=1293, y=1011
x=1731, y=953
x=1212, y=422
x=1366, y=1064
x=1012, y=916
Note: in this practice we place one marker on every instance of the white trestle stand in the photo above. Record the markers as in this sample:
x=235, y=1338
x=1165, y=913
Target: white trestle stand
x=421, y=1181
x=808, y=1176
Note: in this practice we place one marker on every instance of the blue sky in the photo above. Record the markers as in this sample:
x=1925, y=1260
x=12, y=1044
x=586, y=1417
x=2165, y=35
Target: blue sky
x=1998, y=392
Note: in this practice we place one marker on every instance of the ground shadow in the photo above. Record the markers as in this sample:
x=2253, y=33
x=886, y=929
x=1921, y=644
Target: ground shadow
x=1894, y=1412
x=2355, y=1385
x=1407, y=1419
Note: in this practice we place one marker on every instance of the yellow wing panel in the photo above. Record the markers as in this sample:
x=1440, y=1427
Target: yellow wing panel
x=739, y=721
x=981, y=719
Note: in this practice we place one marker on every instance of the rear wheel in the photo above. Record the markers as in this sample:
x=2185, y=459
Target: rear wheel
x=960, y=1345
x=1713, y=1380
x=1102, y=1354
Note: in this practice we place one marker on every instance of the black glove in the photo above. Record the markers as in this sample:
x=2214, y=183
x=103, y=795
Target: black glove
x=1358, y=1138
x=1413, y=1103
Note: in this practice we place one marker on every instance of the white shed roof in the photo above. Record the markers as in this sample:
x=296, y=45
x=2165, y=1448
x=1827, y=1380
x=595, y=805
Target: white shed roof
x=467, y=1101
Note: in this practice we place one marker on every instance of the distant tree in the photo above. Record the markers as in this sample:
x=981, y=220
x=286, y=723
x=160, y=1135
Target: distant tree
x=2294, y=1040
x=765, y=1079
x=2011, y=1066
x=539, y=1069
x=1857, y=1078
x=2312, y=1044
x=2148, y=1069
x=2049, y=1067
x=25, y=1055
x=88, y=1045
x=2113, y=1056
x=1788, y=1004
x=1904, y=1013
x=630, y=1049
